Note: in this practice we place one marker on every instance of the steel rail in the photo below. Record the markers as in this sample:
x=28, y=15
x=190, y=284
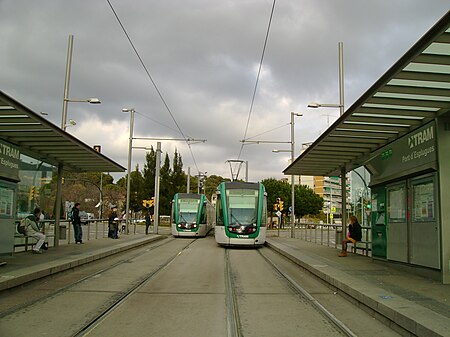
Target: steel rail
x=319, y=307
x=87, y=277
x=233, y=321
x=125, y=295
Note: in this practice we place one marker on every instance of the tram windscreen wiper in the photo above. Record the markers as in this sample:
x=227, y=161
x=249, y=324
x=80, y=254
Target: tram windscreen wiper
x=182, y=217
x=235, y=219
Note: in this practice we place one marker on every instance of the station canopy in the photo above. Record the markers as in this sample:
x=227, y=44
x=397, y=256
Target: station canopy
x=38, y=138
x=414, y=91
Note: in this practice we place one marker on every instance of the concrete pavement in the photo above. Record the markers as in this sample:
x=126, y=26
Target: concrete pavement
x=416, y=303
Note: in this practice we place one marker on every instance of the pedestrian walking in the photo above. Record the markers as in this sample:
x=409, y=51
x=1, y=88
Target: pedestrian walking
x=148, y=221
x=76, y=222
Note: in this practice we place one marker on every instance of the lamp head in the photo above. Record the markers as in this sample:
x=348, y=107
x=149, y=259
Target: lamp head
x=313, y=105
x=72, y=122
x=127, y=110
x=94, y=101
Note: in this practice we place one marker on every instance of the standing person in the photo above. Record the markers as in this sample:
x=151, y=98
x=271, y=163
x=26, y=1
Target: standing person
x=32, y=229
x=112, y=224
x=354, y=234
x=148, y=221
x=76, y=222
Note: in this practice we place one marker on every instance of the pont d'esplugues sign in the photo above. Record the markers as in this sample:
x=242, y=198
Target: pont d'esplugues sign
x=412, y=152
x=9, y=161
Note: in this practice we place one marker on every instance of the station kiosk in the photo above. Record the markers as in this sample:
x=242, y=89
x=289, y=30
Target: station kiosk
x=405, y=193
x=9, y=177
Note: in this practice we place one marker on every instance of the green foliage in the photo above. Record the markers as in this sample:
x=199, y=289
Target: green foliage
x=149, y=173
x=277, y=189
x=166, y=187
x=307, y=202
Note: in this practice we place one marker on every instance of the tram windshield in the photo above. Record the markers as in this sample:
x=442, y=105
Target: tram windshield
x=242, y=206
x=188, y=210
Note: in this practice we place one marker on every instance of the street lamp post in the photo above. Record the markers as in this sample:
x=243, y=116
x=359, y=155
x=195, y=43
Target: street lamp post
x=130, y=149
x=292, y=151
x=292, y=176
x=341, y=111
x=66, y=99
x=341, y=85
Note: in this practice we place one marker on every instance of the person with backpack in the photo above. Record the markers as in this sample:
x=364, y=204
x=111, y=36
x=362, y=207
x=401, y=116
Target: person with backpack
x=31, y=224
x=76, y=222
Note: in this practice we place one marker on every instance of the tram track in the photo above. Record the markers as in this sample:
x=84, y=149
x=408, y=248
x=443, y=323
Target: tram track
x=233, y=320
x=247, y=289
x=21, y=306
x=126, y=294
x=310, y=298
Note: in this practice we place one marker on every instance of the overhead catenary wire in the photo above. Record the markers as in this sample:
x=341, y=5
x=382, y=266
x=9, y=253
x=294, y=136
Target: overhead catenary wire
x=257, y=77
x=155, y=121
x=153, y=83
x=265, y=132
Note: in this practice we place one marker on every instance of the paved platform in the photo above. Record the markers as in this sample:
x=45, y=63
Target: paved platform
x=24, y=267
x=418, y=304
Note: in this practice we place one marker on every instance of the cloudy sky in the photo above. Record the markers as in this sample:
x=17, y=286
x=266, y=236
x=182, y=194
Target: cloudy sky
x=204, y=57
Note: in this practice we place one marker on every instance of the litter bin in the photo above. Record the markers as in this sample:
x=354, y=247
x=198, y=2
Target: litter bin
x=62, y=232
x=338, y=236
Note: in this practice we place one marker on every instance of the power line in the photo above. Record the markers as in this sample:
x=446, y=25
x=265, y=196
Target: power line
x=153, y=82
x=263, y=133
x=154, y=120
x=258, y=75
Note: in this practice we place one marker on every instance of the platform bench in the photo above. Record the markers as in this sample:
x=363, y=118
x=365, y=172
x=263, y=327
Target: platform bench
x=21, y=240
x=364, y=246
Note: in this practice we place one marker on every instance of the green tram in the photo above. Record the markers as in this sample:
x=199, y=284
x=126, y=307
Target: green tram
x=241, y=214
x=192, y=215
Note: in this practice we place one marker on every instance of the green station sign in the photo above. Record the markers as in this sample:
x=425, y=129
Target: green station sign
x=411, y=153
x=9, y=161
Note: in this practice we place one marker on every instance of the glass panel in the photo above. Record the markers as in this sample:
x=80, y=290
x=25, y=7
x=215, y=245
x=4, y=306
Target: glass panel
x=243, y=206
x=264, y=213
x=6, y=201
x=219, y=213
x=423, y=202
x=188, y=210
x=397, y=204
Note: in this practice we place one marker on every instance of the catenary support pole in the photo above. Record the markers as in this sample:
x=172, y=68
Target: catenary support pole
x=157, y=176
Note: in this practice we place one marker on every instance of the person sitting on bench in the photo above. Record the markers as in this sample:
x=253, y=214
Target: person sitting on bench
x=32, y=229
x=354, y=234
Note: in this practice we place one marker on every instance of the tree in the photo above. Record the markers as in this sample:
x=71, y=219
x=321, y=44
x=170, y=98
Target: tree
x=211, y=184
x=137, y=192
x=166, y=190
x=277, y=189
x=178, y=177
x=149, y=173
x=307, y=202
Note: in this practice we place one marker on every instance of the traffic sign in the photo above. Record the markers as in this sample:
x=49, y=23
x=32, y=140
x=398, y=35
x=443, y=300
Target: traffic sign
x=333, y=209
x=331, y=216
x=278, y=213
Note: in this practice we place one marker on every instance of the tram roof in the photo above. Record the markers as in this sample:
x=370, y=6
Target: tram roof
x=41, y=139
x=414, y=91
